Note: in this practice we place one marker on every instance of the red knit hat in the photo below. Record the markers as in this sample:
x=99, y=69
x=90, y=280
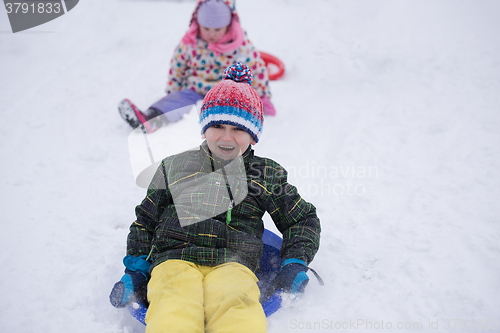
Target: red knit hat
x=234, y=101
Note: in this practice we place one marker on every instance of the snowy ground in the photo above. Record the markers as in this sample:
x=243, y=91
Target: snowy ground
x=388, y=121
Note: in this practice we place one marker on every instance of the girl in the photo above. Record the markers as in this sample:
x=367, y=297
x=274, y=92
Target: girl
x=214, y=41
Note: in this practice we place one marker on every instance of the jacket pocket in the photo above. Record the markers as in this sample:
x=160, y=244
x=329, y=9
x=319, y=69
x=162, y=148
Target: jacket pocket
x=210, y=233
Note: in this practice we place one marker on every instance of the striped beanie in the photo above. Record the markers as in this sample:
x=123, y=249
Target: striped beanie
x=234, y=101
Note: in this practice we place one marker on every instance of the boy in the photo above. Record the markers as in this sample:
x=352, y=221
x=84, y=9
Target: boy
x=201, y=223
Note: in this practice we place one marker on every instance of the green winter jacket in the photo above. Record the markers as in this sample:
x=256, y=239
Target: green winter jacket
x=186, y=213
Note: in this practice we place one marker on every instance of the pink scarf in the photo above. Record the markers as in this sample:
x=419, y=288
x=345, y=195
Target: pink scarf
x=230, y=42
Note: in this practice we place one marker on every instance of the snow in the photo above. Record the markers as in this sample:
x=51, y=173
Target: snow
x=388, y=119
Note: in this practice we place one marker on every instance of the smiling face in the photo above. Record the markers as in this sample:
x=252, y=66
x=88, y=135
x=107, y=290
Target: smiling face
x=212, y=35
x=226, y=141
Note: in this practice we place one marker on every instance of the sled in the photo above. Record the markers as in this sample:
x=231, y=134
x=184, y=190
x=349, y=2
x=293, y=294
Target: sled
x=269, y=265
x=275, y=66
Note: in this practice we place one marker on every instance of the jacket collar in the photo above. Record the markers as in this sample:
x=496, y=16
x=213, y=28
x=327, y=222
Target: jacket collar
x=219, y=162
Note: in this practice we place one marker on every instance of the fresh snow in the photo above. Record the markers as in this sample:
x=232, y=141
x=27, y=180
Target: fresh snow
x=388, y=121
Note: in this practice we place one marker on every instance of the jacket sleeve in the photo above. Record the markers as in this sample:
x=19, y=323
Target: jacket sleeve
x=148, y=214
x=251, y=57
x=178, y=69
x=294, y=217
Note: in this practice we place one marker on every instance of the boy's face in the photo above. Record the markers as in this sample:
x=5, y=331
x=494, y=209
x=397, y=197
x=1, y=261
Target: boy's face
x=212, y=35
x=226, y=141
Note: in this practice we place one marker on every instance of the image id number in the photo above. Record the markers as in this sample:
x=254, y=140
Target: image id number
x=471, y=324
x=40, y=8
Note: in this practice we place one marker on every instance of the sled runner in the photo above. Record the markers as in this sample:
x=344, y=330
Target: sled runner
x=269, y=265
x=273, y=62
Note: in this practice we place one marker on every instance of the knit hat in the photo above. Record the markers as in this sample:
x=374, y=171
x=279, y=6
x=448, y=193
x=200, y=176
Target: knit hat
x=234, y=101
x=214, y=14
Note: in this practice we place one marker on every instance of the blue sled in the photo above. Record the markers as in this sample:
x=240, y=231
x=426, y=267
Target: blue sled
x=269, y=265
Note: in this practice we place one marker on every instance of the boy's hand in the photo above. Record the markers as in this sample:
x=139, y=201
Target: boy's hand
x=127, y=289
x=132, y=285
x=292, y=277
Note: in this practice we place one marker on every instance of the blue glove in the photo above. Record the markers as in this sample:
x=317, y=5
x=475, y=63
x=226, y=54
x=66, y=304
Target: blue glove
x=292, y=277
x=132, y=286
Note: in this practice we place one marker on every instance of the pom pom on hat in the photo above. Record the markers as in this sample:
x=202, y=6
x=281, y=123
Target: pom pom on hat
x=234, y=101
x=238, y=73
x=214, y=14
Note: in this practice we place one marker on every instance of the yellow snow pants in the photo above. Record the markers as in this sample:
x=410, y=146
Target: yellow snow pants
x=189, y=298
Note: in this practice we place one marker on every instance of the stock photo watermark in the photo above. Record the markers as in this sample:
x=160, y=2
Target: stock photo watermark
x=311, y=177
x=366, y=324
x=333, y=180
x=26, y=14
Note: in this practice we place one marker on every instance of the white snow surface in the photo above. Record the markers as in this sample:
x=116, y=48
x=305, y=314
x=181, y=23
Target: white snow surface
x=388, y=120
